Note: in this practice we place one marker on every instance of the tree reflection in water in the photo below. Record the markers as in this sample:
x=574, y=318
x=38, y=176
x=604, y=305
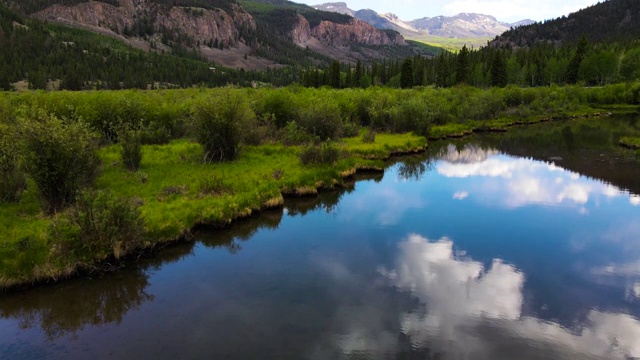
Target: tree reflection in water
x=67, y=308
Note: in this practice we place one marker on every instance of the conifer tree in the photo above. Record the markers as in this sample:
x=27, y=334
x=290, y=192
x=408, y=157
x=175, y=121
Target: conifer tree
x=406, y=74
x=576, y=60
x=499, y=70
x=462, y=65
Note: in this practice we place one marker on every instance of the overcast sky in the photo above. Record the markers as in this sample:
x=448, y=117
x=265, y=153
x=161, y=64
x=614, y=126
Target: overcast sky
x=503, y=10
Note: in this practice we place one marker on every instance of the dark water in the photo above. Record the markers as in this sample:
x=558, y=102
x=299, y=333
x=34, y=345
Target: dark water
x=523, y=245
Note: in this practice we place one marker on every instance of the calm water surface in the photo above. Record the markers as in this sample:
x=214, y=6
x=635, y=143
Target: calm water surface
x=524, y=245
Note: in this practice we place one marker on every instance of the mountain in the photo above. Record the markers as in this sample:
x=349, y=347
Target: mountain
x=338, y=7
x=385, y=21
x=464, y=25
x=461, y=25
x=524, y=22
x=609, y=21
x=246, y=34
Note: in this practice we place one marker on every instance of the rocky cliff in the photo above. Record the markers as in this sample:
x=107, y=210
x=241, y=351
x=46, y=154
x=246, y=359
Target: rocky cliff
x=337, y=35
x=199, y=24
x=301, y=32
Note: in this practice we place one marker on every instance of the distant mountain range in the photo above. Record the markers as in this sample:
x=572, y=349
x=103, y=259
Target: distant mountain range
x=464, y=25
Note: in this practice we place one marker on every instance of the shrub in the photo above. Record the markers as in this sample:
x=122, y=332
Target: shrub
x=350, y=129
x=219, y=123
x=99, y=226
x=131, y=149
x=280, y=104
x=62, y=158
x=369, y=137
x=326, y=153
x=12, y=179
x=292, y=134
x=512, y=96
x=379, y=111
x=321, y=118
x=259, y=130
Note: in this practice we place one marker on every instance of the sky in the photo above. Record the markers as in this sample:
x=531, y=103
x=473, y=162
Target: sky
x=503, y=10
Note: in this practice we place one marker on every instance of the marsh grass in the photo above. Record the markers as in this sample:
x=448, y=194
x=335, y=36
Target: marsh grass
x=630, y=142
x=174, y=190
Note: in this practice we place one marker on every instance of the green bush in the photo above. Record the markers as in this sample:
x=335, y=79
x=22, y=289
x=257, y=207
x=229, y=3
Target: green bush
x=292, y=134
x=379, y=109
x=130, y=140
x=12, y=179
x=410, y=115
x=321, y=118
x=323, y=154
x=369, y=137
x=99, y=226
x=219, y=123
x=259, y=130
x=279, y=103
x=61, y=158
x=350, y=129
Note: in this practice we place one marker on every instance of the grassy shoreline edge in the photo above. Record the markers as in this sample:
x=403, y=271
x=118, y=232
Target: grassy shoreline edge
x=363, y=157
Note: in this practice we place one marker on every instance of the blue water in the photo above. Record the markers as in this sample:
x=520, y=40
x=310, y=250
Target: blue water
x=476, y=255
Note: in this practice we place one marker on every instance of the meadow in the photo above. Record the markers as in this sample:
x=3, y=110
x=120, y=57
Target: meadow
x=90, y=178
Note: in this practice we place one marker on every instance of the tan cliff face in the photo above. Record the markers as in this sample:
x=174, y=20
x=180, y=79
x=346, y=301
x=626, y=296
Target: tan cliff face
x=201, y=29
x=358, y=31
x=200, y=24
x=301, y=32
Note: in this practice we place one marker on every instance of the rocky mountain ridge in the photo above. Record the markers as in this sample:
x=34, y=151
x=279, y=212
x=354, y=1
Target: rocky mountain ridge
x=460, y=26
x=226, y=36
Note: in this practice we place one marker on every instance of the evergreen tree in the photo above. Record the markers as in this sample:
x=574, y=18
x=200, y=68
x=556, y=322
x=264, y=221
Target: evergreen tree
x=406, y=74
x=462, y=66
x=576, y=60
x=357, y=77
x=420, y=74
x=334, y=80
x=499, y=70
x=443, y=71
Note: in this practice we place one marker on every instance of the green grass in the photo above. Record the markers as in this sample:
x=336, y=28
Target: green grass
x=434, y=50
x=451, y=44
x=173, y=187
x=630, y=142
x=385, y=145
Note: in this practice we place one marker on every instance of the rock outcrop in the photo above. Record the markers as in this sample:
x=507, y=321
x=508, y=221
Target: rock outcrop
x=301, y=32
x=337, y=35
x=200, y=25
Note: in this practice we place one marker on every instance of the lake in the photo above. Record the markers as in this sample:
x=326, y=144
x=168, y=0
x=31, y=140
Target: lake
x=524, y=245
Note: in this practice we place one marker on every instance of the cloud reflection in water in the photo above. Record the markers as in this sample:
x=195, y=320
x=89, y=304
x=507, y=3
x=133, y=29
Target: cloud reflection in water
x=517, y=182
x=473, y=311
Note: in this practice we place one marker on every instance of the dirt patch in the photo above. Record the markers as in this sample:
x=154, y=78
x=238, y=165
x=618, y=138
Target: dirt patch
x=235, y=58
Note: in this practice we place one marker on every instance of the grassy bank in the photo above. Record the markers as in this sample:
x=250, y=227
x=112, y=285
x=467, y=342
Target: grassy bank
x=177, y=191
x=286, y=142
x=630, y=142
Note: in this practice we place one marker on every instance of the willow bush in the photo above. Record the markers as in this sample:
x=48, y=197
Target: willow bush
x=12, y=179
x=61, y=157
x=219, y=123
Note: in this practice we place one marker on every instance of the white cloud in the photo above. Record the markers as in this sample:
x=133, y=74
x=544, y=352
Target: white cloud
x=451, y=286
x=516, y=182
x=461, y=195
x=579, y=193
x=629, y=269
x=634, y=200
x=461, y=297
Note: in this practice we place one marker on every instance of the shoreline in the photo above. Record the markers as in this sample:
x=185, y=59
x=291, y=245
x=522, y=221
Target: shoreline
x=362, y=163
